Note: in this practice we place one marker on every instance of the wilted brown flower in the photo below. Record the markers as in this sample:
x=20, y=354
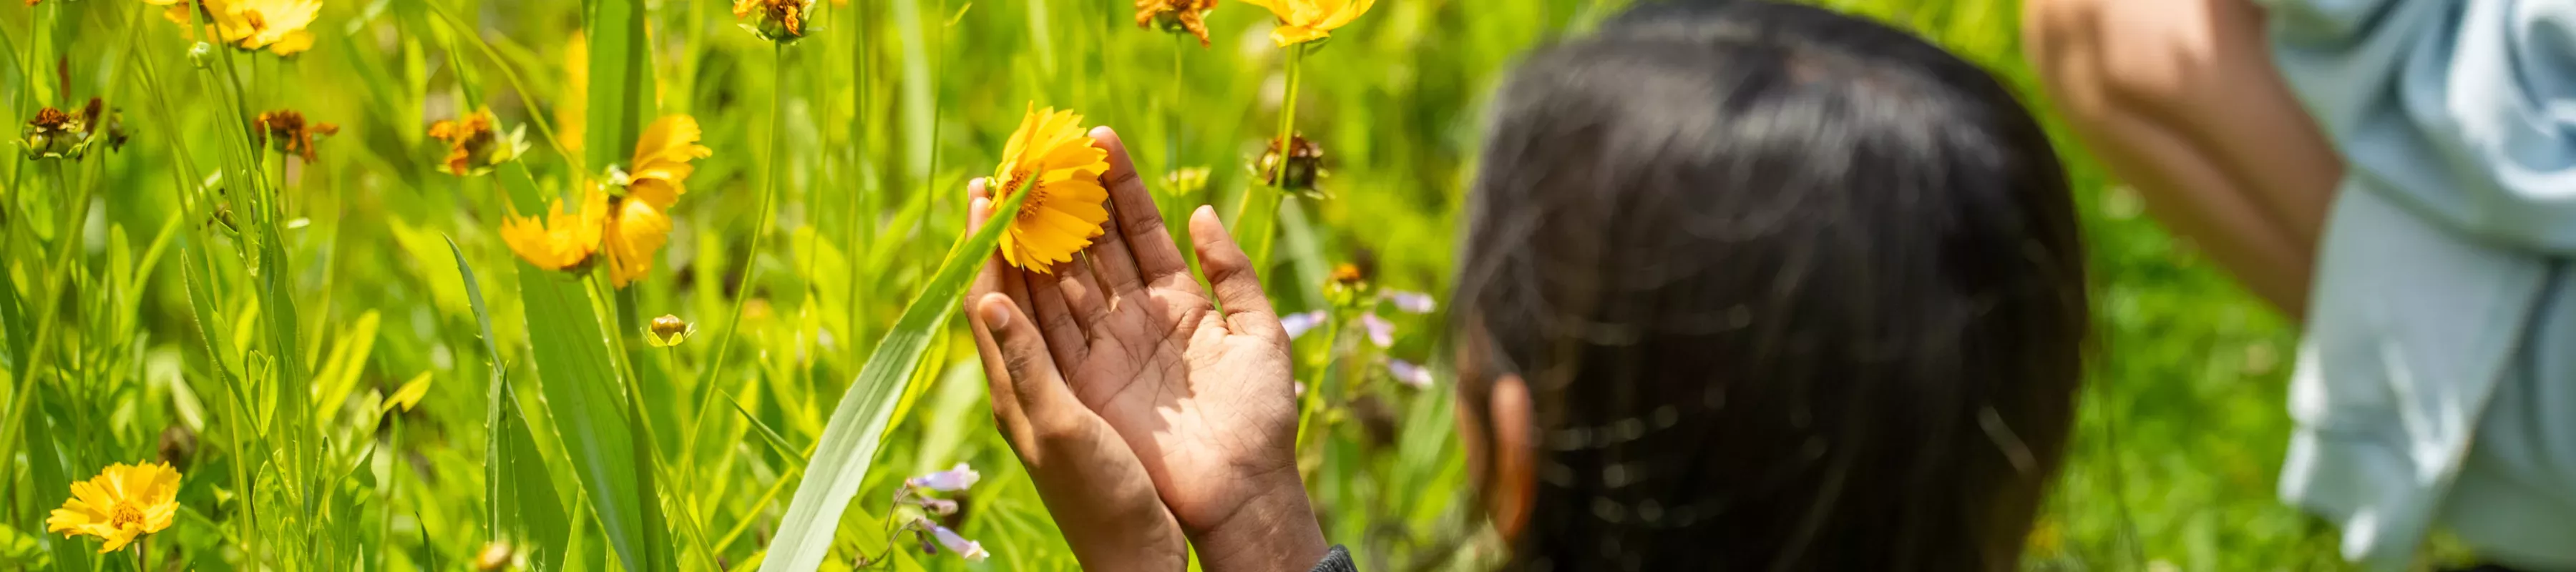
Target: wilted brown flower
x=1305, y=165
x=473, y=143
x=1178, y=16
x=52, y=134
x=286, y=131
x=779, y=20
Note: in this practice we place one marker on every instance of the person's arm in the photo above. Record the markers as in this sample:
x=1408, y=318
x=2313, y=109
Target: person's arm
x=2181, y=100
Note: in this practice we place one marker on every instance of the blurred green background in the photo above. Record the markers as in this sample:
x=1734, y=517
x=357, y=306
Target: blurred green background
x=889, y=107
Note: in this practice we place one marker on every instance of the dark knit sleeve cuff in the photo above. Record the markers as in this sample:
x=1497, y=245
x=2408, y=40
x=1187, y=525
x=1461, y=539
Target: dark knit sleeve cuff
x=1336, y=560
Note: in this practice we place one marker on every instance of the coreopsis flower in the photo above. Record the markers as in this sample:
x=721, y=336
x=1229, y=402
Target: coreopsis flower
x=638, y=220
x=1305, y=165
x=1177, y=16
x=776, y=20
x=286, y=131
x=1053, y=160
x=1302, y=21
x=561, y=240
x=667, y=331
x=473, y=143
x=122, y=503
x=951, y=480
x=276, y=25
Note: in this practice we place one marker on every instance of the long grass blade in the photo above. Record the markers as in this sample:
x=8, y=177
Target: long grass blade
x=850, y=439
x=518, y=496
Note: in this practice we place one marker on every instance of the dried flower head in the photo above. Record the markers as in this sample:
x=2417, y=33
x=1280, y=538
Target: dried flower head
x=1176, y=16
x=120, y=504
x=1305, y=165
x=286, y=131
x=52, y=134
x=474, y=144
x=667, y=331
x=780, y=21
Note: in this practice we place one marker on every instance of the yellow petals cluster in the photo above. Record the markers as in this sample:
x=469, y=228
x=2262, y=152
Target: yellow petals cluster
x=1302, y=21
x=1052, y=158
x=277, y=25
x=629, y=225
x=122, y=503
x=1189, y=16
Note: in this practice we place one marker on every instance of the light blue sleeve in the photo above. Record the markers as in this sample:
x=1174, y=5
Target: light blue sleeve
x=2465, y=108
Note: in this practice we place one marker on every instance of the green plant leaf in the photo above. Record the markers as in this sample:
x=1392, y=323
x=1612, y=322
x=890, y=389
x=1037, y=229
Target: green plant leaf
x=850, y=439
x=621, y=81
x=515, y=478
x=590, y=414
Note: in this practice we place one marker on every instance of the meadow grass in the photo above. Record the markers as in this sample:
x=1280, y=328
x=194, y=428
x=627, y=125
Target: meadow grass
x=353, y=370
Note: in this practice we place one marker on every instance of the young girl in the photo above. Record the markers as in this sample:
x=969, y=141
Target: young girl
x=1745, y=286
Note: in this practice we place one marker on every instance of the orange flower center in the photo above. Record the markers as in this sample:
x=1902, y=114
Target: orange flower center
x=126, y=514
x=1027, y=208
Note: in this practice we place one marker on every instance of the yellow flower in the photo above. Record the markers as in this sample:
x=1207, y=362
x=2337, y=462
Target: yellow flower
x=277, y=25
x=121, y=503
x=571, y=113
x=1061, y=168
x=1176, y=16
x=561, y=240
x=638, y=223
x=1303, y=21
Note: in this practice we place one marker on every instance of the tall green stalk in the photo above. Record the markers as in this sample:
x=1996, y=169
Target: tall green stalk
x=751, y=261
x=1257, y=217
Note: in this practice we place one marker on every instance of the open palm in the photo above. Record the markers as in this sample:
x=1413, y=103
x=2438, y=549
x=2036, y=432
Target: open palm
x=1203, y=396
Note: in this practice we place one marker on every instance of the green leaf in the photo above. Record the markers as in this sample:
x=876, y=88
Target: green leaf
x=850, y=440
x=771, y=436
x=590, y=414
x=52, y=479
x=621, y=81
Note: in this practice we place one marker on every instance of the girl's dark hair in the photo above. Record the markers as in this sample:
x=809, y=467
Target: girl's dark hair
x=1791, y=290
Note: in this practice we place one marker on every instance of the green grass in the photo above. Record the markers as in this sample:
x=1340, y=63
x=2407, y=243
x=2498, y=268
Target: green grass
x=195, y=296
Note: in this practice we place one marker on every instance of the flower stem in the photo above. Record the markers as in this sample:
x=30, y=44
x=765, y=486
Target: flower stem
x=1258, y=216
x=143, y=554
x=751, y=261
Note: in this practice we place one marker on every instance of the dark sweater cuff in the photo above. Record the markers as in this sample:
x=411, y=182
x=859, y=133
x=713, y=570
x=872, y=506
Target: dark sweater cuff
x=1336, y=560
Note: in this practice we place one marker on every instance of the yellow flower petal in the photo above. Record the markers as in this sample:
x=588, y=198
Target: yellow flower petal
x=636, y=233
x=1053, y=159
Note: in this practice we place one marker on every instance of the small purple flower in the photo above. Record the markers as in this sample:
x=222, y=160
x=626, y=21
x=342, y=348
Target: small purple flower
x=1297, y=324
x=1415, y=302
x=1405, y=372
x=952, y=480
x=970, y=550
x=942, y=507
x=1380, y=331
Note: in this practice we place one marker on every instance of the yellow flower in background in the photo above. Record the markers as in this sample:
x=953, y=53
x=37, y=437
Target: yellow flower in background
x=1302, y=21
x=277, y=25
x=638, y=221
x=123, y=502
x=1055, y=160
x=1185, y=16
x=661, y=166
x=560, y=240
x=570, y=114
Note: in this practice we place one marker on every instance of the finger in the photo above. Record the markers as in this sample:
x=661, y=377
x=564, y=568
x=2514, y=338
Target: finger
x=1031, y=381
x=1063, y=331
x=1082, y=293
x=1108, y=255
x=1157, y=259
x=1230, y=273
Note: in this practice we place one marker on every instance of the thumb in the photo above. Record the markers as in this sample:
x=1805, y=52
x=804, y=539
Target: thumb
x=1029, y=380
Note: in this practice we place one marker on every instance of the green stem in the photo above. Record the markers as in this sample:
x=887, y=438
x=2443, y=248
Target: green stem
x=1257, y=218
x=751, y=261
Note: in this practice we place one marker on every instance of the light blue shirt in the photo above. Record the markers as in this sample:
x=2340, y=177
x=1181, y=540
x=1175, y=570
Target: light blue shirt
x=2436, y=385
